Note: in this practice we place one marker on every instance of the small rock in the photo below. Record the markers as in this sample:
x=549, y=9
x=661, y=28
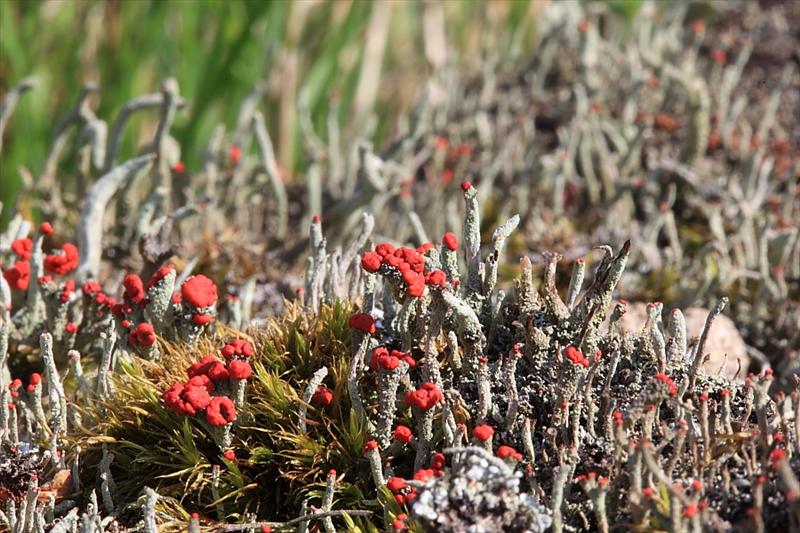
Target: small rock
x=722, y=338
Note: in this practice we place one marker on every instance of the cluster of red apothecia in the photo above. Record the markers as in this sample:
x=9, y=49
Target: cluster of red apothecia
x=576, y=357
x=198, y=291
x=405, y=267
x=63, y=261
x=14, y=387
x=207, y=376
x=402, y=492
x=384, y=359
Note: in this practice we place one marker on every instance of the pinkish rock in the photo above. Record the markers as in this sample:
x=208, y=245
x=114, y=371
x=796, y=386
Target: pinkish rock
x=722, y=338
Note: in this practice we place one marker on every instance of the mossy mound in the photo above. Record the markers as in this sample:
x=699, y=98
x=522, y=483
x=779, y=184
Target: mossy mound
x=277, y=465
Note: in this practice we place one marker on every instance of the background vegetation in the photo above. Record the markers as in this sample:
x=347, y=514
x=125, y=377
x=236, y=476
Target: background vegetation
x=218, y=50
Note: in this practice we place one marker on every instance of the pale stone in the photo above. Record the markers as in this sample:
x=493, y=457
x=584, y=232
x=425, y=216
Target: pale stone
x=722, y=338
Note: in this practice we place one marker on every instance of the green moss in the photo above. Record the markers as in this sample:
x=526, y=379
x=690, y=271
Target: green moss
x=277, y=466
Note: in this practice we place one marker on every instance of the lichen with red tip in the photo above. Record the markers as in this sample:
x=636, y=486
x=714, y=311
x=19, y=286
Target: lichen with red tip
x=64, y=262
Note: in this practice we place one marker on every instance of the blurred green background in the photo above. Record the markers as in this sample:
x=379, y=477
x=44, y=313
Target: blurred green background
x=372, y=56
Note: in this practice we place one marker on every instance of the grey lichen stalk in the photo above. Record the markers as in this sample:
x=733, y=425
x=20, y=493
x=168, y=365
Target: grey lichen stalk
x=90, y=225
x=159, y=304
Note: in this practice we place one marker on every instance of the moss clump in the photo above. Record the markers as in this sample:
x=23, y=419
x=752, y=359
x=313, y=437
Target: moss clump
x=277, y=466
